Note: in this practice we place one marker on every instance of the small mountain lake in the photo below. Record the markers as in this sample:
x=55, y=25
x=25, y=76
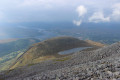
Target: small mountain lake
x=72, y=50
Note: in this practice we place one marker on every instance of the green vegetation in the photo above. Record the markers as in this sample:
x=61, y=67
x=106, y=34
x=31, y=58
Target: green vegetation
x=63, y=59
x=9, y=59
x=11, y=51
x=49, y=49
x=30, y=64
x=10, y=56
x=17, y=45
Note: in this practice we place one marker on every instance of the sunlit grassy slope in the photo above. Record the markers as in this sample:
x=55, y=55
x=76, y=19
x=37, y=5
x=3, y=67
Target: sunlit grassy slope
x=20, y=44
x=9, y=59
x=11, y=50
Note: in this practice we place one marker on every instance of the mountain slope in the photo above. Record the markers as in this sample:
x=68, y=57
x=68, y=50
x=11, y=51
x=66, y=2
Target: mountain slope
x=68, y=69
x=11, y=49
x=49, y=50
x=95, y=43
x=9, y=59
x=20, y=44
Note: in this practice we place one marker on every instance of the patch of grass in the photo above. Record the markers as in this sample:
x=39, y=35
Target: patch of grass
x=1, y=59
x=63, y=59
x=9, y=71
x=31, y=64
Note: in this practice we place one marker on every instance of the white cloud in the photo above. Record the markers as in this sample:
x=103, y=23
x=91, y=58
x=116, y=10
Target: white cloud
x=47, y=10
x=78, y=23
x=81, y=10
x=116, y=12
x=99, y=17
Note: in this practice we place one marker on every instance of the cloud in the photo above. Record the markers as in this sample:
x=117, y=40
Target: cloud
x=78, y=23
x=116, y=12
x=56, y=10
x=81, y=10
x=99, y=17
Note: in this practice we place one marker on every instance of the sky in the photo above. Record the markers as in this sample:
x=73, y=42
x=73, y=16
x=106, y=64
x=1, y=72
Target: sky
x=75, y=11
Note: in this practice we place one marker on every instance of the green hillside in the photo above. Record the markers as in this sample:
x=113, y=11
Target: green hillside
x=10, y=51
x=7, y=60
x=48, y=49
x=20, y=44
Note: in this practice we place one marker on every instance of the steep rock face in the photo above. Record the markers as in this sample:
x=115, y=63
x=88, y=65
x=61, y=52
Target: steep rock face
x=48, y=50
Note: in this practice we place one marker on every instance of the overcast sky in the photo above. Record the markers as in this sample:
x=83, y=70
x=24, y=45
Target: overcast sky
x=76, y=11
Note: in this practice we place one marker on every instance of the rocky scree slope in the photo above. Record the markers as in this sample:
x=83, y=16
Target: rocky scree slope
x=83, y=65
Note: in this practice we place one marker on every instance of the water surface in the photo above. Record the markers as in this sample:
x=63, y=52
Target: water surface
x=72, y=50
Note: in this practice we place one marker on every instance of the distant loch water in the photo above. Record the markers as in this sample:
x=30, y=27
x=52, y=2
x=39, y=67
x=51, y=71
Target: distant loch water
x=72, y=50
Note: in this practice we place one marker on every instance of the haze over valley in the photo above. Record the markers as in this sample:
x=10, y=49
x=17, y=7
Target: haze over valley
x=106, y=33
x=59, y=40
